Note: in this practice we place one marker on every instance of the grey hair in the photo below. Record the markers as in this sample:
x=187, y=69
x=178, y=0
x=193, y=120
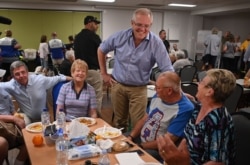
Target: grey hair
x=143, y=11
x=180, y=54
x=17, y=64
x=69, y=53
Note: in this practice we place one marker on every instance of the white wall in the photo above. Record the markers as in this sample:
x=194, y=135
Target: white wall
x=115, y=20
x=237, y=23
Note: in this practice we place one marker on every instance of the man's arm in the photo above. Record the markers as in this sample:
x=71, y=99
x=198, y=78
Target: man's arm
x=153, y=144
x=137, y=129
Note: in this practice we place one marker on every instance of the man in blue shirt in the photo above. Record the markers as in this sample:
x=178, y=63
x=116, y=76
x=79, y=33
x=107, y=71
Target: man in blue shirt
x=136, y=50
x=29, y=91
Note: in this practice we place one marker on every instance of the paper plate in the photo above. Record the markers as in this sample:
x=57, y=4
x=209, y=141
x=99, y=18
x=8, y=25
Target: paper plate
x=34, y=127
x=86, y=120
x=108, y=132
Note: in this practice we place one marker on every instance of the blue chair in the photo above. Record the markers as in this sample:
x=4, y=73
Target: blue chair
x=55, y=93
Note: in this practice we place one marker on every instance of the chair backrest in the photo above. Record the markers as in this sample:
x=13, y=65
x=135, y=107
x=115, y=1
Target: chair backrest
x=190, y=88
x=232, y=101
x=55, y=93
x=242, y=135
x=155, y=73
x=201, y=75
x=187, y=73
x=111, y=63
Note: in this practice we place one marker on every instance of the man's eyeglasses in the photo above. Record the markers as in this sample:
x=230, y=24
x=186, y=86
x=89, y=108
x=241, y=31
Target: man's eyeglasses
x=158, y=88
x=139, y=25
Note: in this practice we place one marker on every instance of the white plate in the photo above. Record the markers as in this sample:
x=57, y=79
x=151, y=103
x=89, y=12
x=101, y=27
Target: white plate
x=34, y=127
x=86, y=120
x=108, y=132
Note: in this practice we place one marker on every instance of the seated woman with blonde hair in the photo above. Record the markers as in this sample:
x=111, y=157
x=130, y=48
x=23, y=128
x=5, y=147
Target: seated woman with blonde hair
x=77, y=97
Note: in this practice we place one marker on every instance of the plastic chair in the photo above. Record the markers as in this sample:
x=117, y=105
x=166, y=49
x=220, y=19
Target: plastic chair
x=187, y=73
x=55, y=93
x=232, y=101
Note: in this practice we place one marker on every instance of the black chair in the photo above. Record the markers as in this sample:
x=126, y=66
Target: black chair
x=190, y=88
x=201, y=75
x=241, y=122
x=155, y=73
x=111, y=63
x=187, y=73
x=232, y=101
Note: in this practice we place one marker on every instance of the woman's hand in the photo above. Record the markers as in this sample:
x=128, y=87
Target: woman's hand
x=170, y=153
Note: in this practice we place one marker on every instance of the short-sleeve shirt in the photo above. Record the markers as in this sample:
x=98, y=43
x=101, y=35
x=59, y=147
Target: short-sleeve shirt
x=165, y=117
x=77, y=105
x=212, y=139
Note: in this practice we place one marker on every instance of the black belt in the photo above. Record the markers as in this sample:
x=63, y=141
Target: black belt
x=127, y=85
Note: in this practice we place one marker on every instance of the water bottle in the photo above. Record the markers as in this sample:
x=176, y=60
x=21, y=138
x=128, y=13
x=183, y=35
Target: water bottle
x=45, y=118
x=104, y=159
x=61, y=149
x=61, y=120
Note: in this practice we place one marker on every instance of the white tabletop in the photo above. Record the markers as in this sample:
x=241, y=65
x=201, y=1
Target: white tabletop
x=150, y=91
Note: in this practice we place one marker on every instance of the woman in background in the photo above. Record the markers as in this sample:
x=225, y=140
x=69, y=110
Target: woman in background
x=43, y=53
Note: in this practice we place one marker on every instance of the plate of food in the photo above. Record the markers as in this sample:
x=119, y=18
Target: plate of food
x=34, y=127
x=86, y=120
x=108, y=132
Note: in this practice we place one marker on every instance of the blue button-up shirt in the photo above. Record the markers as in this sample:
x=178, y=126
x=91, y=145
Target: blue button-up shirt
x=133, y=64
x=32, y=98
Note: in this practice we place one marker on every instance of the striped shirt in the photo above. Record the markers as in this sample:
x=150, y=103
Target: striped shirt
x=77, y=104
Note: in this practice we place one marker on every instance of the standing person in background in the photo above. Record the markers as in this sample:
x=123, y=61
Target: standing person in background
x=9, y=52
x=136, y=52
x=70, y=45
x=43, y=51
x=237, y=55
x=163, y=36
x=228, y=53
x=212, y=50
x=56, y=48
x=86, y=44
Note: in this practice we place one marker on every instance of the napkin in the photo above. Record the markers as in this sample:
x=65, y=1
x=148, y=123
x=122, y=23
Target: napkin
x=77, y=129
x=129, y=158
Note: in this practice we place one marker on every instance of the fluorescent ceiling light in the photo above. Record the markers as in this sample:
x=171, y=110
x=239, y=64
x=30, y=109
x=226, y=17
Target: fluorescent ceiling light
x=181, y=5
x=106, y=1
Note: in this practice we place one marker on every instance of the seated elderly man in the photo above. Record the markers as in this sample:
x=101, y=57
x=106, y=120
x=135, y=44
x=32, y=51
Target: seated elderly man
x=65, y=67
x=168, y=113
x=29, y=91
x=181, y=61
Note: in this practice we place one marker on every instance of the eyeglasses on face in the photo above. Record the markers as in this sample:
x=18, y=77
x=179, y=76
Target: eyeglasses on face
x=139, y=25
x=159, y=88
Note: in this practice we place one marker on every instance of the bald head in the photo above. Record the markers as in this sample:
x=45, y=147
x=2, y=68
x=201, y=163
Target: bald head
x=170, y=79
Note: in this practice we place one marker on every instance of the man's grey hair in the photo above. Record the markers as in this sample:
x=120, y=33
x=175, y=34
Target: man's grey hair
x=143, y=11
x=69, y=53
x=17, y=64
x=180, y=54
